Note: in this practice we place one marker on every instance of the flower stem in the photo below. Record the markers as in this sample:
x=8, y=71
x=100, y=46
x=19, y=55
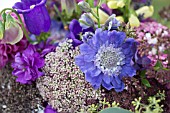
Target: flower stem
x=58, y=12
x=98, y=17
x=21, y=22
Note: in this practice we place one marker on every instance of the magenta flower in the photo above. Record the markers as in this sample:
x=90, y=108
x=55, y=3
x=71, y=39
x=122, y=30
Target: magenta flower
x=8, y=51
x=27, y=64
x=35, y=15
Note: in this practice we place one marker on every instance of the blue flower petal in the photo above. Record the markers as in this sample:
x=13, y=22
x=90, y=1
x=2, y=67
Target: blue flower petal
x=106, y=79
x=107, y=86
x=95, y=72
x=120, y=87
x=88, y=77
x=97, y=80
x=129, y=70
x=116, y=38
x=79, y=60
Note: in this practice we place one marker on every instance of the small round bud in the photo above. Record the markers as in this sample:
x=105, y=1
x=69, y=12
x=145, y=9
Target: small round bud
x=84, y=6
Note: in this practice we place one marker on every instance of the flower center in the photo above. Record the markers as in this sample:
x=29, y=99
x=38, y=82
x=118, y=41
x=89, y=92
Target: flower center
x=32, y=6
x=109, y=59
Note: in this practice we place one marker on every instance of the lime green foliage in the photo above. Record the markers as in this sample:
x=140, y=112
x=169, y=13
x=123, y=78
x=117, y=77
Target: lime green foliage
x=152, y=107
x=101, y=105
x=114, y=110
x=42, y=37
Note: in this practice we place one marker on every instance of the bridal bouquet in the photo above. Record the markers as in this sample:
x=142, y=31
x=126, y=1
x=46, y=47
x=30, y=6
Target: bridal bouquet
x=91, y=56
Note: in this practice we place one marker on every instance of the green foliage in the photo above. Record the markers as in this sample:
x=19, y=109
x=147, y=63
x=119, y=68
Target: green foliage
x=143, y=79
x=1, y=30
x=152, y=107
x=114, y=110
x=101, y=105
x=158, y=66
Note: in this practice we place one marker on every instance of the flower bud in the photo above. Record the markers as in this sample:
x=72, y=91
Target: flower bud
x=69, y=6
x=112, y=23
x=86, y=21
x=102, y=15
x=13, y=32
x=134, y=21
x=114, y=4
x=146, y=11
x=84, y=6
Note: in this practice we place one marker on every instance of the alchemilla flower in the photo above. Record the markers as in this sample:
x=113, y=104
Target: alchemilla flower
x=35, y=15
x=106, y=58
x=27, y=64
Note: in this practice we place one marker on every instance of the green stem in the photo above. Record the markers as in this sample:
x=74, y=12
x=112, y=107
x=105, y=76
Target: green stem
x=58, y=12
x=98, y=17
x=21, y=22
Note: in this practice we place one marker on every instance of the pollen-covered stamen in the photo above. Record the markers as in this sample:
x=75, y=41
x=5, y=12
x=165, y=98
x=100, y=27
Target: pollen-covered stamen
x=32, y=6
x=110, y=59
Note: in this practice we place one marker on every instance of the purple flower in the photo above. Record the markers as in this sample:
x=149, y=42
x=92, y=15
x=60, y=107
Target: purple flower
x=27, y=64
x=141, y=63
x=44, y=47
x=35, y=15
x=106, y=58
x=49, y=109
x=75, y=31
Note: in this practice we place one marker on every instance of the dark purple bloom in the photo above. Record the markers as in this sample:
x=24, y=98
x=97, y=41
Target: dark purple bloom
x=141, y=63
x=27, y=64
x=49, y=109
x=35, y=15
x=106, y=58
x=44, y=47
x=75, y=31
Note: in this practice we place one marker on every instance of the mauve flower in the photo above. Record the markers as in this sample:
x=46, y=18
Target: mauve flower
x=35, y=15
x=106, y=58
x=75, y=31
x=27, y=64
x=49, y=109
x=8, y=51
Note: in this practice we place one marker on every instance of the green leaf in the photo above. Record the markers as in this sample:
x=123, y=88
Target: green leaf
x=114, y=110
x=1, y=30
x=158, y=66
x=167, y=51
x=142, y=74
x=146, y=82
x=4, y=16
x=165, y=69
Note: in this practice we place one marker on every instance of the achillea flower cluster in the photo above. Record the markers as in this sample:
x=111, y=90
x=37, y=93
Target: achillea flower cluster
x=154, y=39
x=27, y=64
x=63, y=85
x=8, y=51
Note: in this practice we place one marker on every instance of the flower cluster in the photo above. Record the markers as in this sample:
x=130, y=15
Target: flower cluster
x=63, y=85
x=27, y=64
x=154, y=39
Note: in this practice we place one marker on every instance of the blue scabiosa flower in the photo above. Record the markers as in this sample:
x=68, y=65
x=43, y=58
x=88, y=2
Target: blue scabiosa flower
x=106, y=58
x=35, y=15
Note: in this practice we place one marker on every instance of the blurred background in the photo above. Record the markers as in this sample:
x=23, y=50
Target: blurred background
x=162, y=11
